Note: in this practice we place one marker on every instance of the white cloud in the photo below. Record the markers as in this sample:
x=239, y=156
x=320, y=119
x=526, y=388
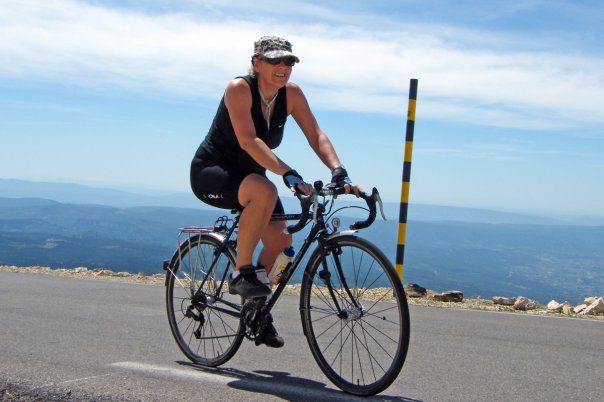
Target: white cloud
x=465, y=75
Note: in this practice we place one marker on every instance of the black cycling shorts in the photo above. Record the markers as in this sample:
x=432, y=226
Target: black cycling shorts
x=217, y=184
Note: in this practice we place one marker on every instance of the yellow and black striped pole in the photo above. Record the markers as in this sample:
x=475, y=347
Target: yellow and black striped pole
x=402, y=219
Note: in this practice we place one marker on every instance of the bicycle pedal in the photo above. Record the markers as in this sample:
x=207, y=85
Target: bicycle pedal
x=259, y=339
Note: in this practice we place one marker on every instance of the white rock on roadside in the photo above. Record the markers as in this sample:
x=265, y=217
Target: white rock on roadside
x=505, y=301
x=554, y=307
x=580, y=308
x=597, y=307
x=589, y=300
x=568, y=308
x=523, y=304
x=80, y=270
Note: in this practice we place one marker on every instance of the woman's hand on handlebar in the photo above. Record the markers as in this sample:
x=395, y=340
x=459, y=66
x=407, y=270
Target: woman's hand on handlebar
x=304, y=188
x=353, y=188
x=295, y=182
x=339, y=178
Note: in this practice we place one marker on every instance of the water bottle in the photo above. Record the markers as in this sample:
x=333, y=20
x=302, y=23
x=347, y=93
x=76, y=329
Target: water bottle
x=280, y=263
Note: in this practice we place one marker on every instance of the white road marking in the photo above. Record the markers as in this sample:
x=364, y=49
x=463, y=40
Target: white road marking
x=172, y=372
x=260, y=383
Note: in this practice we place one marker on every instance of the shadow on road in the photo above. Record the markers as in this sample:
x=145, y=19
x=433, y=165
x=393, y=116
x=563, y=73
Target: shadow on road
x=284, y=385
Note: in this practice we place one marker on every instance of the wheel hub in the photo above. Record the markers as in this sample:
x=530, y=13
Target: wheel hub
x=353, y=313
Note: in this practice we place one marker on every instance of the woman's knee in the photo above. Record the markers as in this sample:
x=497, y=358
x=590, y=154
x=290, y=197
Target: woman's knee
x=257, y=188
x=274, y=238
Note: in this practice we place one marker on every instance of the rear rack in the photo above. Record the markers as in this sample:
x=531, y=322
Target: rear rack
x=196, y=229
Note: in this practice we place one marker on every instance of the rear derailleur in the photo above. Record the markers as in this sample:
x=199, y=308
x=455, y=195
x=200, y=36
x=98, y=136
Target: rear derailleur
x=194, y=312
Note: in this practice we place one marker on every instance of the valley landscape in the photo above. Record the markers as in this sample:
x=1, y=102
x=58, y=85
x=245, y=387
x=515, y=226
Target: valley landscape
x=540, y=261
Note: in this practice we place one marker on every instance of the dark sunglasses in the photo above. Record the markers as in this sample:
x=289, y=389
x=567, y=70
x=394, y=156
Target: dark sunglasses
x=289, y=61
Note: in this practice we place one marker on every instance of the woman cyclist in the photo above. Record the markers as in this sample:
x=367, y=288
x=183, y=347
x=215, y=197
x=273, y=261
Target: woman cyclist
x=229, y=167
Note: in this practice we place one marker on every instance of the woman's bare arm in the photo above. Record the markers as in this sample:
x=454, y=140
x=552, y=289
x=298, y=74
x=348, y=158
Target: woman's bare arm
x=317, y=139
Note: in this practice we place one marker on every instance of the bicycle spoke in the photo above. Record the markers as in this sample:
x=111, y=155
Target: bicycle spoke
x=181, y=298
x=323, y=310
x=191, y=336
x=378, y=342
x=356, y=343
x=181, y=320
x=321, y=318
x=382, y=319
x=212, y=338
x=219, y=315
x=218, y=338
x=369, y=353
x=356, y=276
x=367, y=275
x=324, y=298
x=380, y=299
x=352, y=353
x=203, y=332
x=341, y=346
x=328, y=328
x=374, y=281
x=201, y=340
x=381, y=311
x=188, y=326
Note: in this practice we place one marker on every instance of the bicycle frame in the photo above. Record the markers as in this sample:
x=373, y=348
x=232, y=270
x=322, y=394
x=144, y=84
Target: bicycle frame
x=200, y=305
x=317, y=233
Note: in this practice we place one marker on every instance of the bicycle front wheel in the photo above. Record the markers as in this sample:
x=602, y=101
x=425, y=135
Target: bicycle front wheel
x=355, y=315
x=203, y=317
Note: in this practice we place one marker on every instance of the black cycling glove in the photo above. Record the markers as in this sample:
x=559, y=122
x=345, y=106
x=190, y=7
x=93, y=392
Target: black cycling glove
x=291, y=178
x=339, y=177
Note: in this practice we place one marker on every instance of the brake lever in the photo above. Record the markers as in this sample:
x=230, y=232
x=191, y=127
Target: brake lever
x=380, y=204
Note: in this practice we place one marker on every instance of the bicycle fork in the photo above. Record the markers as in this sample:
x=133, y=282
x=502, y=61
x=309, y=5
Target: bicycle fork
x=353, y=313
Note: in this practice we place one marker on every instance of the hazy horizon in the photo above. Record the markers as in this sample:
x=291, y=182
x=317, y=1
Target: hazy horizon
x=392, y=208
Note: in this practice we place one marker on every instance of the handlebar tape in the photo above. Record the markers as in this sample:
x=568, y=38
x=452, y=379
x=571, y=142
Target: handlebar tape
x=370, y=200
x=305, y=203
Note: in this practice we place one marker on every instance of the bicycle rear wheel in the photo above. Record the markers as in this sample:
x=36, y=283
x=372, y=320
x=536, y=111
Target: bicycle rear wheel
x=207, y=329
x=361, y=347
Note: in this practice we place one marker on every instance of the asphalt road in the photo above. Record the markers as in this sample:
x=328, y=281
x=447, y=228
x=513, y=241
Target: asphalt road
x=78, y=339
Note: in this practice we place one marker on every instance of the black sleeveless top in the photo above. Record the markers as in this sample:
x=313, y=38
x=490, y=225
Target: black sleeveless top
x=221, y=145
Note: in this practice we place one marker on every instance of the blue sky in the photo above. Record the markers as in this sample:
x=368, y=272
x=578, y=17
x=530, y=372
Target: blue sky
x=509, y=112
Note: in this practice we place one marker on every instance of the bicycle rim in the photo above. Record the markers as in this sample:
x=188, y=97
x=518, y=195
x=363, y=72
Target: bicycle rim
x=362, y=351
x=205, y=333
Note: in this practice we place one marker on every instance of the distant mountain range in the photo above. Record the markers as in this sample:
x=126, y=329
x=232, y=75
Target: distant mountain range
x=538, y=261
x=81, y=194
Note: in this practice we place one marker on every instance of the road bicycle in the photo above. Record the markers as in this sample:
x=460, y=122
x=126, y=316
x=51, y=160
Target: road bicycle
x=352, y=304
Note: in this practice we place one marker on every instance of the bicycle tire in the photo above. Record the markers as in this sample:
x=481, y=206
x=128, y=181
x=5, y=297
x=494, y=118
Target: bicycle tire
x=224, y=332
x=388, y=325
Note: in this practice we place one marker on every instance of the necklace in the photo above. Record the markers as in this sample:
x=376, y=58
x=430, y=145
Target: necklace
x=267, y=104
